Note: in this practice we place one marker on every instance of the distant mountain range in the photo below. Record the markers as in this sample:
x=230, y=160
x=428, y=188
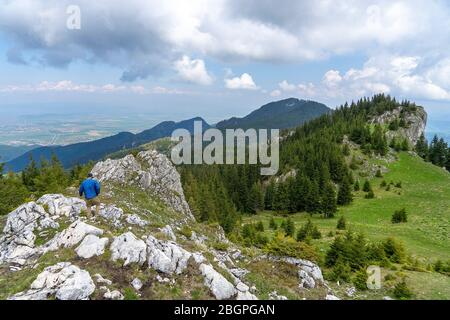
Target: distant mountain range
x=282, y=114
x=276, y=115
x=84, y=152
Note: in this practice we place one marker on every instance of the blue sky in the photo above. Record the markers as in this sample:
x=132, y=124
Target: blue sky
x=219, y=58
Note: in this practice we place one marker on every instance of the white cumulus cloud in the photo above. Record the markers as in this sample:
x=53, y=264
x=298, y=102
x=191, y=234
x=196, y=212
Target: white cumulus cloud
x=193, y=70
x=245, y=81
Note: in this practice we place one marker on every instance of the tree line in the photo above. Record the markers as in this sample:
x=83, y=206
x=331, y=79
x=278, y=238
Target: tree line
x=37, y=180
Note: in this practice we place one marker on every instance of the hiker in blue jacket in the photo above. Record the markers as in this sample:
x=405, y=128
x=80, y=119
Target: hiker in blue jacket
x=91, y=189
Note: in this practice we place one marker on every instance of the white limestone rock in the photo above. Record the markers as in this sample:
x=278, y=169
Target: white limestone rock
x=63, y=280
x=168, y=231
x=220, y=287
x=309, y=273
x=331, y=297
x=17, y=240
x=150, y=171
x=112, y=214
x=166, y=256
x=91, y=246
x=59, y=205
x=128, y=248
x=134, y=219
x=100, y=280
x=137, y=284
x=198, y=257
x=113, y=295
x=71, y=236
x=275, y=296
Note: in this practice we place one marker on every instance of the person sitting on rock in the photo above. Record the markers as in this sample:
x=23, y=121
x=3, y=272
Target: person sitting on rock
x=91, y=189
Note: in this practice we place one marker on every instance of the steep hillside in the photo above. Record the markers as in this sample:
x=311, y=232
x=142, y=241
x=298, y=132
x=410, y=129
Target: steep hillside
x=81, y=153
x=144, y=245
x=282, y=114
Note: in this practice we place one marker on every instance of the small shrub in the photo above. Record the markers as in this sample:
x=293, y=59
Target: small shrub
x=130, y=294
x=272, y=224
x=220, y=246
x=308, y=231
x=360, y=280
x=379, y=174
x=398, y=185
x=383, y=184
x=367, y=187
x=330, y=234
x=401, y=291
x=260, y=226
x=394, y=250
x=186, y=231
x=370, y=195
x=289, y=227
x=341, y=271
x=356, y=186
x=399, y=216
x=341, y=224
x=287, y=246
x=389, y=277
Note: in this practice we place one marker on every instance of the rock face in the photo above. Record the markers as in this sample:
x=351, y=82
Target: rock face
x=150, y=171
x=91, y=246
x=112, y=214
x=17, y=241
x=58, y=205
x=136, y=220
x=309, y=273
x=166, y=256
x=416, y=122
x=71, y=236
x=63, y=280
x=129, y=249
x=220, y=287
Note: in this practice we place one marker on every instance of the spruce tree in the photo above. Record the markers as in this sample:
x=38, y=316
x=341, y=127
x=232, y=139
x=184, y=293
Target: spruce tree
x=329, y=202
x=367, y=187
x=345, y=193
x=422, y=147
x=356, y=186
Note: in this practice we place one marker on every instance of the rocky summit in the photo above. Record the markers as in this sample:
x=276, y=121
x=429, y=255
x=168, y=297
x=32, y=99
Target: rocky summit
x=53, y=251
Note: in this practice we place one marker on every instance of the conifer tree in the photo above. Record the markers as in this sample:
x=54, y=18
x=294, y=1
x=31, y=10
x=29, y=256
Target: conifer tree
x=367, y=187
x=329, y=202
x=345, y=193
x=422, y=147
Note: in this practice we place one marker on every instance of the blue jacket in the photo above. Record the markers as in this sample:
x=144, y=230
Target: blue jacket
x=90, y=188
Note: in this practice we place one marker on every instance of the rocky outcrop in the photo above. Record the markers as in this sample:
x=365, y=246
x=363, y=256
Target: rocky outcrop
x=220, y=287
x=166, y=256
x=134, y=219
x=128, y=248
x=150, y=171
x=71, y=236
x=112, y=214
x=309, y=274
x=91, y=246
x=59, y=205
x=64, y=281
x=17, y=240
x=416, y=121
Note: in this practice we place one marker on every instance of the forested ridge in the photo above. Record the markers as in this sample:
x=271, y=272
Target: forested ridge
x=315, y=176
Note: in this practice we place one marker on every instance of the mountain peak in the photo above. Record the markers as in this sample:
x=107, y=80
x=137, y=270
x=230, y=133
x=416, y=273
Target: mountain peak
x=282, y=114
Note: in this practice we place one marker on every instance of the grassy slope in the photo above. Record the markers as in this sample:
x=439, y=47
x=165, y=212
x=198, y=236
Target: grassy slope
x=425, y=194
